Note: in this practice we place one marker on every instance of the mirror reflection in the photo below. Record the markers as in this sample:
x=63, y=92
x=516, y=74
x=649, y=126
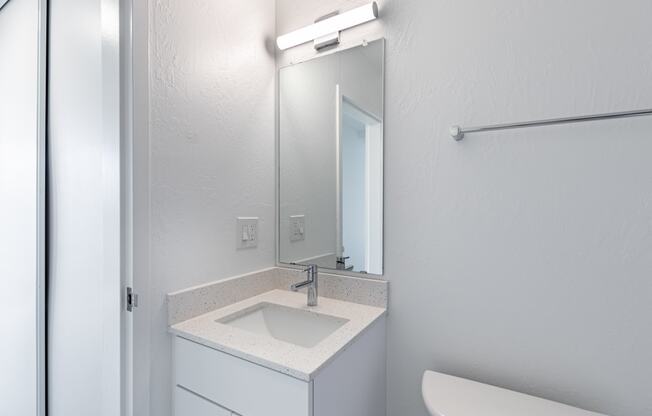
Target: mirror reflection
x=331, y=160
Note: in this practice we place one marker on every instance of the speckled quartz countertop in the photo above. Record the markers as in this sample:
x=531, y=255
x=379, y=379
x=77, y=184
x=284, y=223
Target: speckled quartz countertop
x=299, y=362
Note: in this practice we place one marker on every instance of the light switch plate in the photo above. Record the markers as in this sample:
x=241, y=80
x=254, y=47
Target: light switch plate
x=247, y=232
x=297, y=227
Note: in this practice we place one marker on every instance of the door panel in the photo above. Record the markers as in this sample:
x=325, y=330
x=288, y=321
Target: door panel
x=84, y=230
x=22, y=124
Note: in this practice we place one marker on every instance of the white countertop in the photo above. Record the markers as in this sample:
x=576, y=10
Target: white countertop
x=299, y=362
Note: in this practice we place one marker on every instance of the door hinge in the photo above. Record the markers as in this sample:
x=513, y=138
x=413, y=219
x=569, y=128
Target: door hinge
x=131, y=300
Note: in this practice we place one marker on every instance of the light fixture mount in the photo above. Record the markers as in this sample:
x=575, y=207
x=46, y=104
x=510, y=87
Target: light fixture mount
x=330, y=40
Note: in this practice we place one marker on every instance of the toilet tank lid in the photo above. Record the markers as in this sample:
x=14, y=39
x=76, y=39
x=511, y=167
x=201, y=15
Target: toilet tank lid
x=446, y=395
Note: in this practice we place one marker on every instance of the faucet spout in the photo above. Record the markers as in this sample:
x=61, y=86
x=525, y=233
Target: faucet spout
x=295, y=287
x=310, y=283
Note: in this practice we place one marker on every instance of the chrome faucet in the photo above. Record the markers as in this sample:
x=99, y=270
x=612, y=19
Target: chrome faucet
x=311, y=283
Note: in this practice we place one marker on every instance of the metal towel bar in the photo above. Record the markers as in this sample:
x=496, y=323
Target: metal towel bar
x=458, y=132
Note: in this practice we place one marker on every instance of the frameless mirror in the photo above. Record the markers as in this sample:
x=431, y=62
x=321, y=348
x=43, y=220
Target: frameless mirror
x=331, y=160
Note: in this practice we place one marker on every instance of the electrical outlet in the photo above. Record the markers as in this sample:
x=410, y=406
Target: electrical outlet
x=247, y=232
x=297, y=227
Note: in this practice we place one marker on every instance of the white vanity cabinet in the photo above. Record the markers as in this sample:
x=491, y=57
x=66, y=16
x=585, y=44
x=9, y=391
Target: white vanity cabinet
x=209, y=382
x=188, y=403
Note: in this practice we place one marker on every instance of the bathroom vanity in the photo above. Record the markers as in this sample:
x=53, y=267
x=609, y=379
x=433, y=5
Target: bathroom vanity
x=248, y=346
x=270, y=354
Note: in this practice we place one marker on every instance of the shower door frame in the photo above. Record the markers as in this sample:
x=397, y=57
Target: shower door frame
x=41, y=361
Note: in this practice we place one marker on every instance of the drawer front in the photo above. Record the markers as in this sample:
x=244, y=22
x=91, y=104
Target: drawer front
x=245, y=388
x=189, y=404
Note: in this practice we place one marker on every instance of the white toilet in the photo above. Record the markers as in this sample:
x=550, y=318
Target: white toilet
x=446, y=395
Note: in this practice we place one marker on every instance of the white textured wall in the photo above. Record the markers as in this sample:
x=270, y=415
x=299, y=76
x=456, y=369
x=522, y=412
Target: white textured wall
x=530, y=267
x=211, y=152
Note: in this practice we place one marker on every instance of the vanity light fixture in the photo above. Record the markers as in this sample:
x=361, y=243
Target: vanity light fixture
x=329, y=28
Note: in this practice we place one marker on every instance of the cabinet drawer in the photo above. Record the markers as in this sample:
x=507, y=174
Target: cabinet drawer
x=243, y=387
x=189, y=404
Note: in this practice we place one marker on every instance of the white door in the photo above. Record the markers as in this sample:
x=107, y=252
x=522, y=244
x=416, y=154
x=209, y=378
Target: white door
x=22, y=124
x=360, y=187
x=84, y=209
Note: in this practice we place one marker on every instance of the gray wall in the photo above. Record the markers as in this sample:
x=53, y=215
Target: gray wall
x=210, y=158
x=531, y=267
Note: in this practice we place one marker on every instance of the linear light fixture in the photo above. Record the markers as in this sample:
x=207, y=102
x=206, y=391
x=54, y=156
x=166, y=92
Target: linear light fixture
x=332, y=25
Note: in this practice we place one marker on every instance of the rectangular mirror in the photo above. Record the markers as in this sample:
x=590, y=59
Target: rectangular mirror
x=331, y=160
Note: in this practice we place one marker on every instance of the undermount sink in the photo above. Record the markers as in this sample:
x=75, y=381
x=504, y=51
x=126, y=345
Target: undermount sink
x=296, y=326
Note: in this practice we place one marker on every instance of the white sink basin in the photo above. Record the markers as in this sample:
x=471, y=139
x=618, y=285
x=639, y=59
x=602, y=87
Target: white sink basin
x=296, y=326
